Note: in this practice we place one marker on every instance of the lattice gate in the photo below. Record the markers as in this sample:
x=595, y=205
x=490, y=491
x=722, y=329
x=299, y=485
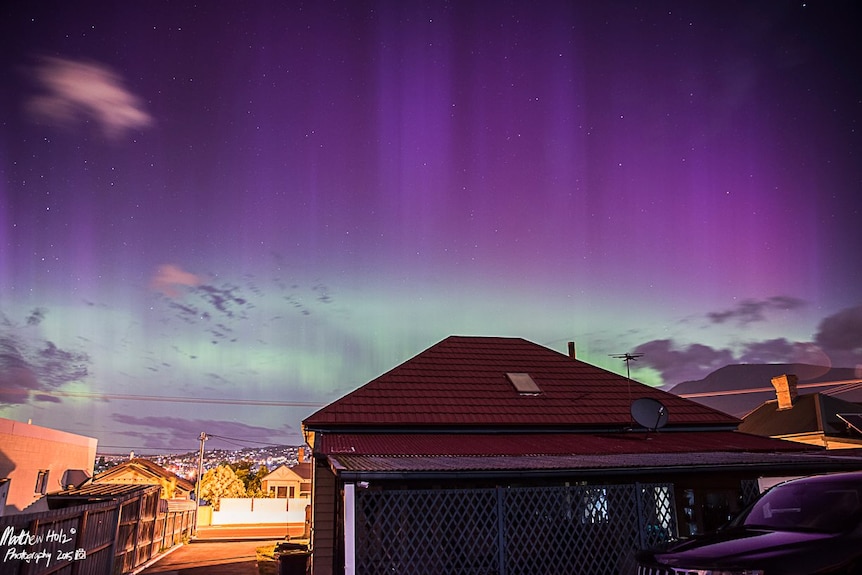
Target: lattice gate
x=584, y=530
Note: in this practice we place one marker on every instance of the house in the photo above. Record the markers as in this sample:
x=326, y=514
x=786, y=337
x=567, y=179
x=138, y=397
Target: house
x=140, y=471
x=816, y=419
x=490, y=454
x=38, y=460
x=288, y=482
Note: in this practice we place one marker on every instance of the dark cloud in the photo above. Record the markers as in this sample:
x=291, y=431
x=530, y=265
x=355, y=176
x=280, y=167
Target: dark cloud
x=28, y=365
x=36, y=316
x=170, y=430
x=752, y=311
x=782, y=350
x=323, y=294
x=206, y=303
x=841, y=331
x=17, y=378
x=837, y=343
x=682, y=364
x=56, y=366
x=770, y=351
x=223, y=299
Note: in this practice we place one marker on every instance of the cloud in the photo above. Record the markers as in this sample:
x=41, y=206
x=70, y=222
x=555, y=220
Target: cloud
x=840, y=337
x=76, y=92
x=169, y=276
x=781, y=350
x=752, y=311
x=17, y=378
x=223, y=299
x=841, y=331
x=837, y=343
x=177, y=429
x=36, y=316
x=35, y=366
x=682, y=364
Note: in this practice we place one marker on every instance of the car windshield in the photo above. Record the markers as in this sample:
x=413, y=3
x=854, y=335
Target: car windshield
x=824, y=507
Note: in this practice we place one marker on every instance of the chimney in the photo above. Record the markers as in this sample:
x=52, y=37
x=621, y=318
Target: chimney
x=572, y=350
x=300, y=455
x=785, y=390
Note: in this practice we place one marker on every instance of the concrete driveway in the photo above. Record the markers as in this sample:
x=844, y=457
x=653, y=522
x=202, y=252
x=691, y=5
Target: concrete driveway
x=218, y=550
x=203, y=557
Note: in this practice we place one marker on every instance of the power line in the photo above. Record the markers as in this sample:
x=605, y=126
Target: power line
x=158, y=450
x=848, y=383
x=173, y=399
x=267, y=443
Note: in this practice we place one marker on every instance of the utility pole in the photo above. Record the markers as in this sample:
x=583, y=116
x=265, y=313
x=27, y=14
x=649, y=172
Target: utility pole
x=203, y=437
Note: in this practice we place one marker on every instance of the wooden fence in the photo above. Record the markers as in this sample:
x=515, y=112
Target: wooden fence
x=108, y=537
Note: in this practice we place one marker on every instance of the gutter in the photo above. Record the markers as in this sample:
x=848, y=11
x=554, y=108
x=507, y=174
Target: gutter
x=802, y=465
x=815, y=468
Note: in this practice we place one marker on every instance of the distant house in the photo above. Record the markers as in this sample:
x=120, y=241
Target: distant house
x=36, y=461
x=288, y=482
x=815, y=419
x=738, y=389
x=491, y=455
x=140, y=471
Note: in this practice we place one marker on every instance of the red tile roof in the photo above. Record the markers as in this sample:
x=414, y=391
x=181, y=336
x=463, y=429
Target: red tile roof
x=461, y=382
x=144, y=468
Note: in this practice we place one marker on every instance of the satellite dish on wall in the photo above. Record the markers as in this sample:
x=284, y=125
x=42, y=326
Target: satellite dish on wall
x=649, y=413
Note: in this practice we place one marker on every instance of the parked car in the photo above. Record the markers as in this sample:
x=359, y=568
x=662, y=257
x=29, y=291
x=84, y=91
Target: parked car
x=806, y=526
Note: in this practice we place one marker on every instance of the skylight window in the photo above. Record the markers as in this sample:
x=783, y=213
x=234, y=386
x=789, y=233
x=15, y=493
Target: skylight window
x=524, y=383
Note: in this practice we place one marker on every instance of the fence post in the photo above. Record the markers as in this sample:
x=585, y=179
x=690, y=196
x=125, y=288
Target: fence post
x=501, y=530
x=349, y=502
x=642, y=542
x=82, y=529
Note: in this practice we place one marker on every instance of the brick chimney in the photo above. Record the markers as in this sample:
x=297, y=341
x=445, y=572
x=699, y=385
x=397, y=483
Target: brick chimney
x=785, y=390
x=572, y=350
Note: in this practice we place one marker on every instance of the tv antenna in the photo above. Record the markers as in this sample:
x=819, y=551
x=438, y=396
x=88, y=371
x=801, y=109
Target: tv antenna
x=628, y=358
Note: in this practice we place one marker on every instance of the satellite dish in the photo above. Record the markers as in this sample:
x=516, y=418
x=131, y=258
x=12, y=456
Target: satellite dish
x=649, y=413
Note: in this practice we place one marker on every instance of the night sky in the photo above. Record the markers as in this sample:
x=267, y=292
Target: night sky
x=221, y=216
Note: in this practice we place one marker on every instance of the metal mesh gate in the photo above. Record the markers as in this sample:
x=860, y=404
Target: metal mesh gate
x=589, y=530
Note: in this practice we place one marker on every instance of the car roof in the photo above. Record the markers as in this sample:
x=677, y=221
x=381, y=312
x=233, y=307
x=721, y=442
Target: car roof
x=843, y=477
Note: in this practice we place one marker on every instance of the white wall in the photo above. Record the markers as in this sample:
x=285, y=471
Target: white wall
x=239, y=511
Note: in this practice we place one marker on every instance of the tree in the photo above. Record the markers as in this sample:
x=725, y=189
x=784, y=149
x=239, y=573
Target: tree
x=221, y=482
x=169, y=487
x=254, y=484
x=251, y=479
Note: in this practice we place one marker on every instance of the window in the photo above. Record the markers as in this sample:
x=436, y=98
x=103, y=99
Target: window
x=292, y=492
x=595, y=505
x=282, y=491
x=523, y=383
x=42, y=481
